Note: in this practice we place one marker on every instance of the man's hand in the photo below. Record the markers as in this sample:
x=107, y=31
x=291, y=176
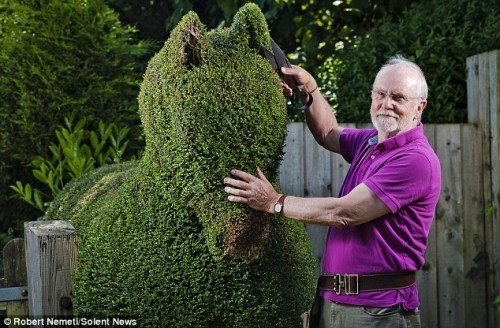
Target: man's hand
x=254, y=191
x=305, y=81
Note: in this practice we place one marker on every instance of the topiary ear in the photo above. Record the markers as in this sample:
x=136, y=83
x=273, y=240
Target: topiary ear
x=250, y=27
x=185, y=40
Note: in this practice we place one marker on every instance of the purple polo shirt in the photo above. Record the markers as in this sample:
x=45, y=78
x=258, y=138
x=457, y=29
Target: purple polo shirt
x=404, y=172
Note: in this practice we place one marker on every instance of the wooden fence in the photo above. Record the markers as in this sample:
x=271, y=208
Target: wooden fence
x=14, y=302
x=37, y=288
x=461, y=277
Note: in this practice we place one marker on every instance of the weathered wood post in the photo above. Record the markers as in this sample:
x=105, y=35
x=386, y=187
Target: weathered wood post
x=483, y=103
x=50, y=257
x=14, y=291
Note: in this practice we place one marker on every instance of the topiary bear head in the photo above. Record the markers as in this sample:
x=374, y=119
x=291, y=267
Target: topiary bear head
x=211, y=102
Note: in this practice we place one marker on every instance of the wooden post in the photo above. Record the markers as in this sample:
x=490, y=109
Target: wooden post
x=51, y=258
x=15, y=276
x=483, y=90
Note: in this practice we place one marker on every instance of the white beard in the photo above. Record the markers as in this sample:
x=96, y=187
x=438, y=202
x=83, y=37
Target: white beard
x=390, y=123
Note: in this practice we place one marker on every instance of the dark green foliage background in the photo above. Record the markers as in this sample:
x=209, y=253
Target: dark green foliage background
x=438, y=36
x=58, y=58
x=153, y=234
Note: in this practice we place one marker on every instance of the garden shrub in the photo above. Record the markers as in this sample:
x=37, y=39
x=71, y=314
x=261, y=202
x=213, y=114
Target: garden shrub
x=78, y=151
x=56, y=58
x=437, y=35
x=158, y=240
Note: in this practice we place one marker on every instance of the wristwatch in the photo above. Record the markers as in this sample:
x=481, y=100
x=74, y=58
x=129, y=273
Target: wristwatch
x=278, y=207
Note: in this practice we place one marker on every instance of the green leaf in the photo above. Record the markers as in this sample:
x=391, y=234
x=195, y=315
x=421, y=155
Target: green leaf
x=27, y=191
x=40, y=176
x=39, y=200
x=93, y=140
x=80, y=124
x=55, y=150
x=18, y=188
x=85, y=151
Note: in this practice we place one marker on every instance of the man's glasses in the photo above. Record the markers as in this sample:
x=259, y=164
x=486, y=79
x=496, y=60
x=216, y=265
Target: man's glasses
x=397, y=98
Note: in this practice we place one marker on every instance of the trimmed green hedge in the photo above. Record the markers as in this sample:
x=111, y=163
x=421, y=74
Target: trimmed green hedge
x=158, y=240
x=437, y=35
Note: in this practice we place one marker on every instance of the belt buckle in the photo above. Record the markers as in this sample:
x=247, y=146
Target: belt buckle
x=351, y=284
x=338, y=283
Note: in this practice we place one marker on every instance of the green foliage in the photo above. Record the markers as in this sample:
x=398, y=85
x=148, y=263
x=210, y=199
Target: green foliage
x=77, y=152
x=319, y=26
x=59, y=57
x=220, y=13
x=436, y=36
x=158, y=240
x=155, y=19
x=490, y=210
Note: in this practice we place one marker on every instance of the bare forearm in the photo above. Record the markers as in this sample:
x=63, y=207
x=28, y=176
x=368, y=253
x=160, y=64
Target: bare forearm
x=361, y=205
x=322, y=122
x=318, y=211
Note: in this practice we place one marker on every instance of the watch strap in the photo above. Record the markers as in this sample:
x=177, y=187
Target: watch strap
x=281, y=201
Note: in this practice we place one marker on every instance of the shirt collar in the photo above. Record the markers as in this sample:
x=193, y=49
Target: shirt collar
x=400, y=139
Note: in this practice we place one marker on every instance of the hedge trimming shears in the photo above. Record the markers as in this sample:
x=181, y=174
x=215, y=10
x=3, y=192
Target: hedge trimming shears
x=277, y=59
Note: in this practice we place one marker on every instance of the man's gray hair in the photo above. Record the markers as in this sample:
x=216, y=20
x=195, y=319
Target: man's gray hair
x=400, y=60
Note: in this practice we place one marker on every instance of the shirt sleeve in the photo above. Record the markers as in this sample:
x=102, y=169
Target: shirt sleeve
x=352, y=141
x=404, y=179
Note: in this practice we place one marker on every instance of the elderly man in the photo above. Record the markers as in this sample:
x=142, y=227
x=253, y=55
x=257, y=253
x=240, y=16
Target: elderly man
x=380, y=222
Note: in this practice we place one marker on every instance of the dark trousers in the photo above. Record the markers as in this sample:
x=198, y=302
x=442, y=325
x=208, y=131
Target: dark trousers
x=327, y=314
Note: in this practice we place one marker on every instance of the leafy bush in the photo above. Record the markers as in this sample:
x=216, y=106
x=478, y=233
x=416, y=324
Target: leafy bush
x=77, y=152
x=158, y=240
x=59, y=57
x=437, y=35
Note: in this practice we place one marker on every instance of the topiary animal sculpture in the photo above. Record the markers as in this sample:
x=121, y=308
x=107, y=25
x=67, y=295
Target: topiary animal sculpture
x=158, y=240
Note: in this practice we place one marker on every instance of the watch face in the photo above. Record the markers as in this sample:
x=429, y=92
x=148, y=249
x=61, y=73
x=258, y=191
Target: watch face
x=278, y=207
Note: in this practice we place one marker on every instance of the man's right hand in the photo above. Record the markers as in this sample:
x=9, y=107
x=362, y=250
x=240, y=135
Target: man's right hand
x=320, y=117
x=303, y=78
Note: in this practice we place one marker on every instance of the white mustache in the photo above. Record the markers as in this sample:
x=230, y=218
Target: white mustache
x=388, y=113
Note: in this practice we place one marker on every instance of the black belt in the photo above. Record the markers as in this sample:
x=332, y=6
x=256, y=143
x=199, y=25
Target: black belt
x=353, y=284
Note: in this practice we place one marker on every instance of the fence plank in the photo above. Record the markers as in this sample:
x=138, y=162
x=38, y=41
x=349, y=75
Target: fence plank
x=450, y=229
x=476, y=313
x=427, y=277
x=318, y=184
x=493, y=219
x=51, y=257
x=317, y=167
x=472, y=87
x=14, y=261
x=291, y=173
